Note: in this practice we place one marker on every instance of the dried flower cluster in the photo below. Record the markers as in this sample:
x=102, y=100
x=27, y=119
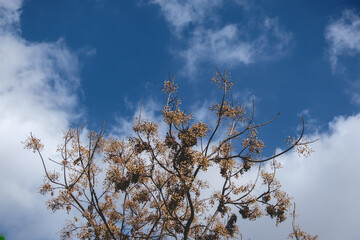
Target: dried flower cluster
x=148, y=186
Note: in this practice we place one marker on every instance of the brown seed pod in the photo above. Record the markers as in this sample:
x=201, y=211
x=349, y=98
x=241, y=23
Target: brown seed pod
x=245, y=212
x=122, y=184
x=270, y=209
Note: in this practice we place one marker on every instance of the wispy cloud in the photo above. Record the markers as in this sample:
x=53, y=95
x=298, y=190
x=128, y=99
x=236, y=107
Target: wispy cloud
x=10, y=15
x=38, y=84
x=209, y=40
x=182, y=13
x=217, y=46
x=230, y=46
x=343, y=36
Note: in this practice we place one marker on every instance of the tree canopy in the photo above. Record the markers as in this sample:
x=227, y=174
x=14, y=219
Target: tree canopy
x=149, y=186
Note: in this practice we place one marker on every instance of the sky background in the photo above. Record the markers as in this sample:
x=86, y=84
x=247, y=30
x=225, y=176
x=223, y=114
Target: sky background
x=67, y=62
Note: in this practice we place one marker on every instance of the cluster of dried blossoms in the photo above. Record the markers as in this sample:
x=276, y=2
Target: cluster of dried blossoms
x=148, y=186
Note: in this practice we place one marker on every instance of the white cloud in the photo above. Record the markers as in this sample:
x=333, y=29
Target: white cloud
x=181, y=13
x=212, y=41
x=229, y=46
x=343, y=36
x=324, y=186
x=217, y=46
x=12, y=5
x=38, y=83
x=10, y=15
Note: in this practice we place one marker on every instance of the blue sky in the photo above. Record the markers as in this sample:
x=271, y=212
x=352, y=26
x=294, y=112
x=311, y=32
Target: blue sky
x=66, y=62
x=131, y=46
